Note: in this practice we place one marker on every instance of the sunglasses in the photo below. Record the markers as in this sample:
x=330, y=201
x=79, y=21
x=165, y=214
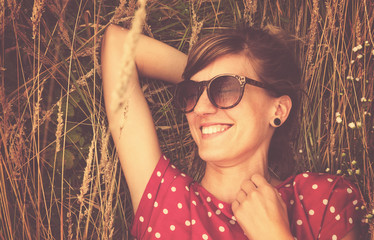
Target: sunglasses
x=224, y=91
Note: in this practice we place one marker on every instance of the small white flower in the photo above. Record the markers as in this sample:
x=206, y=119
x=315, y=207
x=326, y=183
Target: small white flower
x=363, y=99
x=349, y=78
x=358, y=171
x=355, y=49
x=300, y=150
x=367, y=43
x=372, y=52
x=339, y=171
x=337, y=114
x=358, y=124
x=359, y=56
x=354, y=162
x=352, y=125
x=327, y=170
x=339, y=119
x=352, y=61
x=357, y=79
x=359, y=47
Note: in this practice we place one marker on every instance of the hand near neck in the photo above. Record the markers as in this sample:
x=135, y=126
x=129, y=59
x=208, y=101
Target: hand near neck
x=260, y=210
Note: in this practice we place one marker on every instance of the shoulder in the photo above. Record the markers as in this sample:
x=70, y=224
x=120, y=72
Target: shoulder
x=315, y=188
x=322, y=183
x=329, y=204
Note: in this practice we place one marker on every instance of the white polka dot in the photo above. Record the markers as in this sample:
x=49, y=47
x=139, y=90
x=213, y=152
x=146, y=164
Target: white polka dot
x=332, y=209
x=315, y=186
x=165, y=211
x=155, y=204
x=141, y=219
x=349, y=190
x=149, y=196
x=209, y=214
x=337, y=217
x=311, y=212
x=172, y=227
x=330, y=179
x=294, y=183
x=197, y=193
x=193, y=221
x=350, y=220
x=173, y=189
x=325, y=201
x=205, y=237
x=232, y=222
x=355, y=202
x=187, y=188
x=165, y=157
x=287, y=185
x=218, y=212
x=292, y=202
x=233, y=218
x=208, y=199
x=221, y=229
x=220, y=205
x=301, y=197
x=334, y=237
x=149, y=229
x=194, y=202
x=172, y=165
x=157, y=235
x=162, y=180
x=180, y=205
x=299, y=222
x=188, y=223
x=158, y=174
x=305, y=175
x=183, y=175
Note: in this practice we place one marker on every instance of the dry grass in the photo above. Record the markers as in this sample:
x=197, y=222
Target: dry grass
x=59, y=173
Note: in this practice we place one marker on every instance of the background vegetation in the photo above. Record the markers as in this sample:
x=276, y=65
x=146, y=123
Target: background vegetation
x=59, y=173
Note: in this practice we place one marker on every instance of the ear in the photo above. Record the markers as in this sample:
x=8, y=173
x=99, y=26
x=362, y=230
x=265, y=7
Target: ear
x=282, y=106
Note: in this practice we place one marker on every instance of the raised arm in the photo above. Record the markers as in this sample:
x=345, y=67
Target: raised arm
x=136, y=140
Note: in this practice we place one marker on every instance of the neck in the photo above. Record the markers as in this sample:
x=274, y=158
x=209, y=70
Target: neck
x=224, y=181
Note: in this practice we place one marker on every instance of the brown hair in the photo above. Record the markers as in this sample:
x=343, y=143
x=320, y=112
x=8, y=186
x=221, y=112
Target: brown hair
x=269, y=51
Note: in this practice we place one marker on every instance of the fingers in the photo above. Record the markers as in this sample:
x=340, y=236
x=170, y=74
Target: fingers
x=248, y=186
x=259, y=180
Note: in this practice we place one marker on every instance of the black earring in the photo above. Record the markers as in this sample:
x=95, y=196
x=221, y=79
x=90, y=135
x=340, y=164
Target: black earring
x=277, y=122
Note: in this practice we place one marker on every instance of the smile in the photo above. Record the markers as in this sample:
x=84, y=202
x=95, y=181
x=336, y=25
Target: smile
x=213, y=129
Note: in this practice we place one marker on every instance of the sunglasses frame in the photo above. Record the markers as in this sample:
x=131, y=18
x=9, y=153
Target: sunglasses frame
x=202, y=85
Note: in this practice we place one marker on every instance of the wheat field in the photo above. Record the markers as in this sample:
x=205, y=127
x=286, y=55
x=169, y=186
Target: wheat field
x=59, y=172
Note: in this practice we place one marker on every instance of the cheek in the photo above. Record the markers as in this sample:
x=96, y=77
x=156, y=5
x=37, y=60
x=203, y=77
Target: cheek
x=192, y=125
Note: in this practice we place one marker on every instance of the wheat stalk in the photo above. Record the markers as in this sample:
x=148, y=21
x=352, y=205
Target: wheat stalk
x=36, y=16
x=196, y=28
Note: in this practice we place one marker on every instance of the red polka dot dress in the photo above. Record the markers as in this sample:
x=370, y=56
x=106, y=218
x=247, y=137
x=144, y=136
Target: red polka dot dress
x=173, y=206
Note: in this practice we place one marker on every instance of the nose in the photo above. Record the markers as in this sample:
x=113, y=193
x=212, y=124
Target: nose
x=203, y=105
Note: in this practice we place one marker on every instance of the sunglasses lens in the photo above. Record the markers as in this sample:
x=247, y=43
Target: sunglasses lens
x=225, y=91
x=187, y=94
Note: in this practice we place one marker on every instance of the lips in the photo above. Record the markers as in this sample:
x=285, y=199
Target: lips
x=214, y=129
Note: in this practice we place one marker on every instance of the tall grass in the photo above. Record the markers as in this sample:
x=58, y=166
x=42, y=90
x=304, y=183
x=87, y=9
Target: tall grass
x=59, y=173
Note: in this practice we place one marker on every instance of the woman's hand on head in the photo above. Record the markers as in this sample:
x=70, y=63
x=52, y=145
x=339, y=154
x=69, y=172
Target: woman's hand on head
x=260, y=211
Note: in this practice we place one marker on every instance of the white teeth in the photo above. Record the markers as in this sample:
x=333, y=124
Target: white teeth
x=214, y=129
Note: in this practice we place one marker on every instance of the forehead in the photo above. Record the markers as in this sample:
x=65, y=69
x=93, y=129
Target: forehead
x=237, y=64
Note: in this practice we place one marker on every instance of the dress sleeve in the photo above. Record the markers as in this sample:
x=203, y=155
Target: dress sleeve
x=341, y=207
x=163, y=186
x=325, y=206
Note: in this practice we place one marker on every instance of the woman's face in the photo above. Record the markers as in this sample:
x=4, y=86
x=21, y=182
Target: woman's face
x=231, y=136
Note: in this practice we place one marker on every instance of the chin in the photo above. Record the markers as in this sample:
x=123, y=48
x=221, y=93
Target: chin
x=211, y=156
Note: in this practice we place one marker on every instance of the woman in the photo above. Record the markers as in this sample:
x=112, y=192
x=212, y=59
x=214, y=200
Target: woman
x=239, y=93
